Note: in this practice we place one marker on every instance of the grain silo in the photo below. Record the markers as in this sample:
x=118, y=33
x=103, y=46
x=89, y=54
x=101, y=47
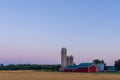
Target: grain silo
x=71, y=60
x=68, y=61
x=63, y=57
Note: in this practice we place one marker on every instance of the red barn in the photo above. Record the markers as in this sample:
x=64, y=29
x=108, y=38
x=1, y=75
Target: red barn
x=86, y=67
x=83, y=67
x=71, y=68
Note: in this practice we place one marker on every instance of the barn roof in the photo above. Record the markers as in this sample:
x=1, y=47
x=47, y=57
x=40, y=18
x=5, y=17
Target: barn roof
x=71, y=67
x=85, y=64
x=78, y=66
x=111, y=68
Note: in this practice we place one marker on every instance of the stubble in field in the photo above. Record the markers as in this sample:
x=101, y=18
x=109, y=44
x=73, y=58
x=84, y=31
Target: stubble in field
x=33, y=75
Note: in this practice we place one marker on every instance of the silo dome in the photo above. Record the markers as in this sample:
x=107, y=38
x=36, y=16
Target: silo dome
x=63, y=49
x=64, y=57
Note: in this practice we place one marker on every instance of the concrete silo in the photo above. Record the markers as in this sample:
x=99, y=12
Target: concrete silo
x=71, y=60
x=63, y=57
x=68, y=61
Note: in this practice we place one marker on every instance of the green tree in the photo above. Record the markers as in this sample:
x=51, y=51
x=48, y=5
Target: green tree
x=117, y=64
x=1, y=67
x=97, y=61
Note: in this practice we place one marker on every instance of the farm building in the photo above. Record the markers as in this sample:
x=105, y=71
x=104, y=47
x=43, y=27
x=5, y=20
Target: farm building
x=111, y=69
x=72, y=68
x=100, y=67
x=61, y=69
x=83, y=67
x=87, y=67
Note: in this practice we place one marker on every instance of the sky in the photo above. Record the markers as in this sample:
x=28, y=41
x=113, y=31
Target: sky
x=34, y=31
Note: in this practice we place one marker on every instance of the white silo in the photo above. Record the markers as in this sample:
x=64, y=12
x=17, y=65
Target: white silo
x=63, y=57
x=71, y=60
x=68, y=61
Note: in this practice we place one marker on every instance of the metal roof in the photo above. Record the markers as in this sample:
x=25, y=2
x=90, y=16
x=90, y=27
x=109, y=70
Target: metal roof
x=85, y=64
x=82, y=65
x=110, y=68
x=71, y=67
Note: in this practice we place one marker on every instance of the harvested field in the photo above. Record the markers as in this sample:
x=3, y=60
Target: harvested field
x=35, y=75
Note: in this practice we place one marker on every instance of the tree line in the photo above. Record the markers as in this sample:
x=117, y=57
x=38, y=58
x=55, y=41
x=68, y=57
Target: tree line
x=30, y=67
x=117, y=65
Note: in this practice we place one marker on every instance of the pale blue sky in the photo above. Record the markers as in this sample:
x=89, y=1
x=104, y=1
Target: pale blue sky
x=34, y=31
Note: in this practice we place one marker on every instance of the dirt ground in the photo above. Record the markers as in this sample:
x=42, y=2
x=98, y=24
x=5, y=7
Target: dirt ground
x=36, y=75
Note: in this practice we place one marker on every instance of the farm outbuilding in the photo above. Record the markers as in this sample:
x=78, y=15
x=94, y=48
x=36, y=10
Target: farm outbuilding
x=83, y=67
x=61, y=69
x=72, y=68
x=86, y=67
x=111, y=69
x=100, y=67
